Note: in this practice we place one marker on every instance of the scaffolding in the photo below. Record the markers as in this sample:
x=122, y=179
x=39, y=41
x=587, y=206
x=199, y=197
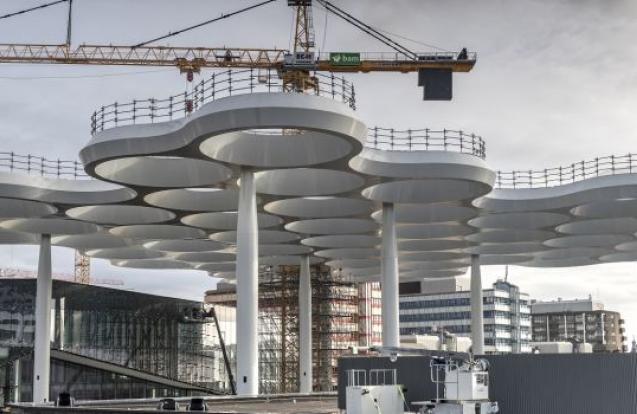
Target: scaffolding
x=335, y=325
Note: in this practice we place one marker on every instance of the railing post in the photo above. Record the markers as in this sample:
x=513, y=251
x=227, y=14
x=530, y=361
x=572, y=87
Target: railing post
x=202, y=93
x=58, y=167
x=391, y=138
x=28, y=163
x=251, y=80
x=612, y=164
x=353, y=98
x=444, y=138
x=214, y=87
x=546, y=178
x=102, y=116
x=116, y=114
x=333, y=85
x=596, y=167
x=152, y=108
x=513, y=180
x=560, y=172
x=630, y=163
x=375, y=137
x=530, y=178
x=583, y=166
x=473, y=144
x=134, y=110
x=187, y=104
x=409, y=138
x=426, y=138
x=573, y=171
x=11, y=162
x=229, y=82
x=460, y=133
x=343, y=87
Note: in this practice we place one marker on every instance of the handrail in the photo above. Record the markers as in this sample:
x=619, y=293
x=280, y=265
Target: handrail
x=218, y=85
x=400, y=57
x=426, y=140
x=34, y=165
x=553, y=177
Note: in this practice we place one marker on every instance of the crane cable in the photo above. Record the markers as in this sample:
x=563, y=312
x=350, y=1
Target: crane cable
x=42, y=6
x=223, y=16
x=368, y=29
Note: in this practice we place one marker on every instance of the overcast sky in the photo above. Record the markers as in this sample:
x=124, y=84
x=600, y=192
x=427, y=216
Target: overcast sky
x=555, y=83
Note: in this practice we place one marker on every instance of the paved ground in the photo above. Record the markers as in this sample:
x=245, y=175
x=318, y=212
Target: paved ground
x=325, y=404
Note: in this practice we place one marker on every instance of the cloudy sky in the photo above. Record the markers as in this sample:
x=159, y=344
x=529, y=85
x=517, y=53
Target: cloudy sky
x=555, y=83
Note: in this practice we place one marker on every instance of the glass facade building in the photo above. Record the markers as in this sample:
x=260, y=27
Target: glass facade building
x=110, y=343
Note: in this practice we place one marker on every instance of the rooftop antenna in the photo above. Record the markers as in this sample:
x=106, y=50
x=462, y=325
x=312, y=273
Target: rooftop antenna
x=506, y=273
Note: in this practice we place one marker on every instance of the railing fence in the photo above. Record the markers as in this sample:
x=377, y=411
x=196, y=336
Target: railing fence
x=552, y=177
x=31, y=164
x=426, y=140
x=217, y=85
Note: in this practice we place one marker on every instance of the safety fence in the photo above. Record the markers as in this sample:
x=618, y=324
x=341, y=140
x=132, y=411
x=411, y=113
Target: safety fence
x=30, y=164
x=426, y=140
x=553, y=177
x=219, y=85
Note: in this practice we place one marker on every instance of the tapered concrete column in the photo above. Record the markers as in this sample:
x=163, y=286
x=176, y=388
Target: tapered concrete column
x=247, y=288
x=305, y=326
x=477, y=323
x=42, y=345
x=389, y=285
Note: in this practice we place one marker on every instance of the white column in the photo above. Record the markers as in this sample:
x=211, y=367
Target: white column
x=477, y=322
x=305, y=326
x=247, y=288
x=42, y=346
x=389, y=285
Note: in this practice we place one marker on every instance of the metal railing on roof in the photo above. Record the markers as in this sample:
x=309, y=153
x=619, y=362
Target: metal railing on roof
x=579, y=171
x=217, y=85
x=34, y=165
x=426, y=140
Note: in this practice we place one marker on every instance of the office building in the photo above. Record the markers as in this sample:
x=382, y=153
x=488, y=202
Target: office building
x=506, y=316
x=579, y=320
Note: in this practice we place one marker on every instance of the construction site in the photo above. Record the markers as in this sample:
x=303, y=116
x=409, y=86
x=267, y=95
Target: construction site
x=345, y=315
x=273, y=238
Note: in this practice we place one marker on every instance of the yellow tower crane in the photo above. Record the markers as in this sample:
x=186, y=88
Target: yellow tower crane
x=434, y=69
x=295, y=67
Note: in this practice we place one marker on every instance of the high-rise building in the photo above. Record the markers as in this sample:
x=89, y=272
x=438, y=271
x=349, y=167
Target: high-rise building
x=506, y=315
x=582, y=320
